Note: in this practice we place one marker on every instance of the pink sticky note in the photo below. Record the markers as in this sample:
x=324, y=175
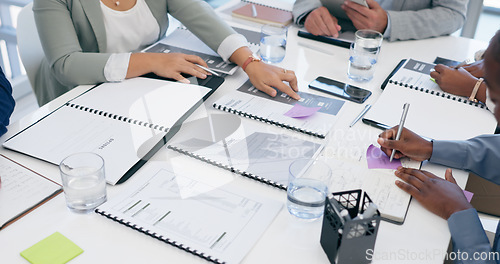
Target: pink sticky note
x=298, y=111
x=468, y=195
x=378, y=160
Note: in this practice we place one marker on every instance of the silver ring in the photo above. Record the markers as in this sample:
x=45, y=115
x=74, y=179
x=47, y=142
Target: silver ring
x=284, y=71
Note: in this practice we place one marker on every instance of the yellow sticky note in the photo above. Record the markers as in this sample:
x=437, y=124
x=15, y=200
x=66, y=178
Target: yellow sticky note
x=55, y=249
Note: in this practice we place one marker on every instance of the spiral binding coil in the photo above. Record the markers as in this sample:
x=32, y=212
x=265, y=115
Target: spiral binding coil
x=440, y=94
x=118, y=117
x=159, y=237
x=265, y=120
x=229, y=168
x=250, y=2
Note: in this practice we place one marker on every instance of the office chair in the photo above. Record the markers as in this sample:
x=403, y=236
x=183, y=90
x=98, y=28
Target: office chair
x=28, y=41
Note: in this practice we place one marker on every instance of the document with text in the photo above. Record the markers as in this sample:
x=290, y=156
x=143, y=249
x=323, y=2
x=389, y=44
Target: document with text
x=121, y=130
x=198, y=210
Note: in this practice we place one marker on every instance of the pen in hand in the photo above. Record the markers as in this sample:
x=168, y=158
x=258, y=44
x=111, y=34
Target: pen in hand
x=406, y=106
x=463, y=63
x=208, y=70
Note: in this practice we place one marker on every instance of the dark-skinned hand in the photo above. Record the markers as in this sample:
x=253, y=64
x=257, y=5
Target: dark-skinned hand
x=442, y=197
x=409, y=144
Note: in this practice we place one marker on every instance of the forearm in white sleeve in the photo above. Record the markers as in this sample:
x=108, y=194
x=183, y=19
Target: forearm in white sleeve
x=230, y=44
x=116, y=67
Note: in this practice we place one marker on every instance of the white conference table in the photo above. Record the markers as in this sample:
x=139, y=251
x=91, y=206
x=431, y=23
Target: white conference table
x=423, y=238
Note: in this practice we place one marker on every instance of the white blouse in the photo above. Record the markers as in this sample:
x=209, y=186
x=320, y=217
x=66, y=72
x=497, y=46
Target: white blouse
x=133, y=30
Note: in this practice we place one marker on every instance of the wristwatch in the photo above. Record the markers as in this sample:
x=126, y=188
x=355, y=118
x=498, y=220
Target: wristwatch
x=250, y=59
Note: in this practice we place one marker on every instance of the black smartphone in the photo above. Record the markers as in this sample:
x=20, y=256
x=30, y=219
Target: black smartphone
x=340, y=89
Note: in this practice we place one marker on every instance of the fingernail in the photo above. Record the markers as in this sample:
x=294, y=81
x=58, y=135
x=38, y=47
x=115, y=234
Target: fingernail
x=381, y=141
x=185, y=81
x=203, y=76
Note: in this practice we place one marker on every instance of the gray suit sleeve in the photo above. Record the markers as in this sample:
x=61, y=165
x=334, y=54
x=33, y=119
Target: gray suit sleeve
x=302, y=8
x=201, y=19
x=441, y=18
x=469, y=239
x=61, y=46
x=480, y=155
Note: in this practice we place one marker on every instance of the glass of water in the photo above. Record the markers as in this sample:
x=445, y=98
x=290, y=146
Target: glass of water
x=83, y=181
x=364, y=54
x=307, y=188
x=273, y=43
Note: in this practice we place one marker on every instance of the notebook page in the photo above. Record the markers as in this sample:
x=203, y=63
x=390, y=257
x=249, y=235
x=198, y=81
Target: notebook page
x=21, y=190
x=391, y=201
x=245, y=145
x=280, y=4
x=69, y=130
x=431, y=116
x=416, y=74
x=148, y=100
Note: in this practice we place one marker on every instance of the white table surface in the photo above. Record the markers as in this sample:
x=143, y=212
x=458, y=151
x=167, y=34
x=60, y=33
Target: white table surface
x=423, y=238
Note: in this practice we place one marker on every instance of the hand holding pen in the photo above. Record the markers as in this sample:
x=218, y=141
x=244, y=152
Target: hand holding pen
x=409, y=144
x=406, y=106
x=463, y=63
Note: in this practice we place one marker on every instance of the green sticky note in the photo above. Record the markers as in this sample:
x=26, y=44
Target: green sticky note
x=55, y=249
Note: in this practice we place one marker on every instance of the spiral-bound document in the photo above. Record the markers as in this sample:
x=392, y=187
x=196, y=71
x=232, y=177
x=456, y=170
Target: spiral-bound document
x=200, y=210
x=121, y=122
x=433, y=113
x=415, y=75
x=243, y=146
x=286, y=5
x=252, y=103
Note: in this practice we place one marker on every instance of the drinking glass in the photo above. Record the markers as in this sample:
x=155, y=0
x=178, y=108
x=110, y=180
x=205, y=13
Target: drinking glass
x=307, y=188
x=83, y=181
x=273, y=43
x=364, y=55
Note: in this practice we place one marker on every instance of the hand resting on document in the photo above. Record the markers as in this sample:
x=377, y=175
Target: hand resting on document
x=443, y=197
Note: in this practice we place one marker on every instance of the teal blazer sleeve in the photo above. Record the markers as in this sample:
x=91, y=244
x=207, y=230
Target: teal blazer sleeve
x=73, y=38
